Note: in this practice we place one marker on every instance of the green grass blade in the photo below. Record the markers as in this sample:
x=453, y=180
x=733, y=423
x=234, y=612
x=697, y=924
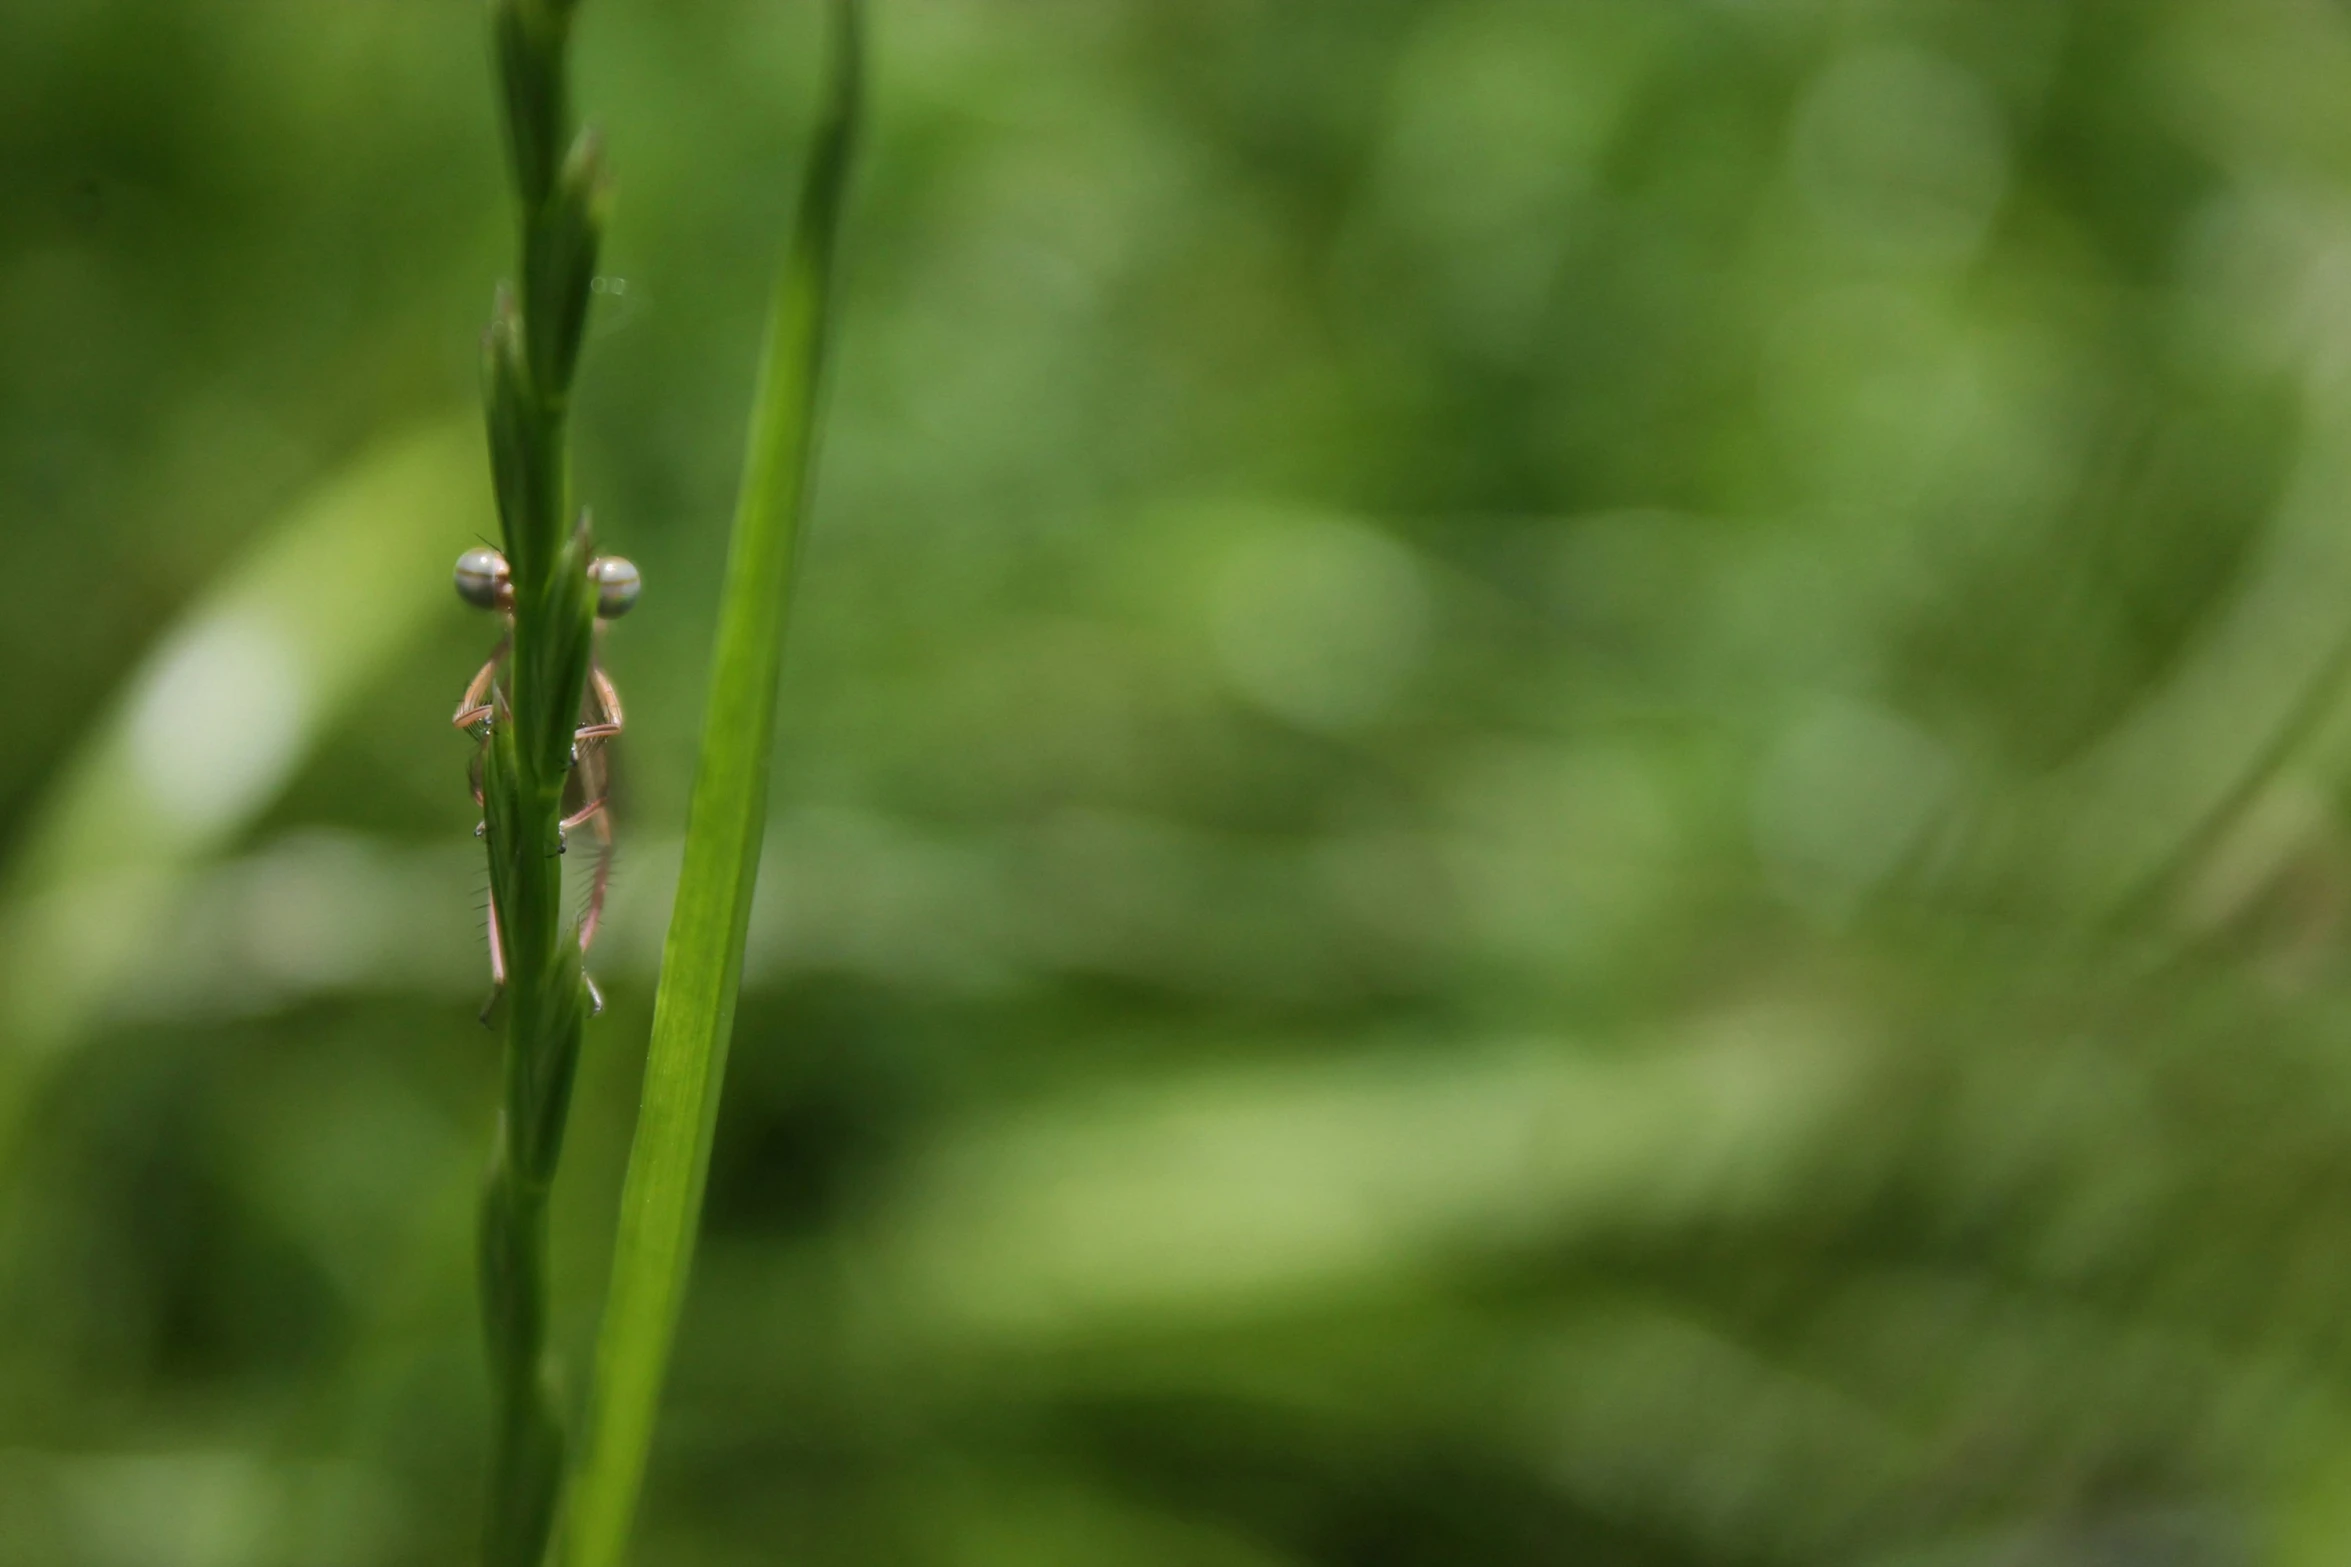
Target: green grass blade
x=702, y=961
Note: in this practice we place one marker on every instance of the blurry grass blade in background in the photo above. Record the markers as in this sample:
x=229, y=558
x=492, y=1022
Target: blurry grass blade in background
x=702, y=962
x=2141, y=809
x=213, y=724
x=1217, y=1195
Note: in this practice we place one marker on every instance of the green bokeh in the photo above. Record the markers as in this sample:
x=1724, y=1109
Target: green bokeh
x=1561, y=782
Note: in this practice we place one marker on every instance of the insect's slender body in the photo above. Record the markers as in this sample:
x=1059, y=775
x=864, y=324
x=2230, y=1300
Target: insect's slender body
x=483, y=581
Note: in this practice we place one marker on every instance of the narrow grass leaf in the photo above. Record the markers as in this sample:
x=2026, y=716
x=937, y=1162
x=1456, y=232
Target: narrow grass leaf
x=702, y=961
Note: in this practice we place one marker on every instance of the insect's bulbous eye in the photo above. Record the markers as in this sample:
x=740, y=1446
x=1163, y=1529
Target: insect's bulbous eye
x=617, y=585
x=481, y=578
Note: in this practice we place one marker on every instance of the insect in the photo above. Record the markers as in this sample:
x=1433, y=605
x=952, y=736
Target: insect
x=484, y=581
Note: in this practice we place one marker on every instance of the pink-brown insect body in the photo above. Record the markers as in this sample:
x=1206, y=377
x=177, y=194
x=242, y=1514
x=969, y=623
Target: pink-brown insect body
x=482, y=579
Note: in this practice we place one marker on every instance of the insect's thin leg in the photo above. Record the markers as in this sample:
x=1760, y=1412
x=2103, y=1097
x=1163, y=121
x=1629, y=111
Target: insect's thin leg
x=473, y=779
x=599, y=880
x=591, y=784
x=607, y=694
x=608, y=701
x=472, y=708
x=497, y=962
x=605, y=701
x=497, y=947
x=601, y=877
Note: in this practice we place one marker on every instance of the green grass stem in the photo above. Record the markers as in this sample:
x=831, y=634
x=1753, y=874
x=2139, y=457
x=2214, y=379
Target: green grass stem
x=529, y=354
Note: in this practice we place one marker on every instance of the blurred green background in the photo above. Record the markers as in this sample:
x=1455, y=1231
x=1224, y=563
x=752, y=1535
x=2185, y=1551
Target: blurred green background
x=1562, y=782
